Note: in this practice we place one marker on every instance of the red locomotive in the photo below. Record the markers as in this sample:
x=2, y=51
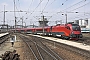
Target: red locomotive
x=67, y=31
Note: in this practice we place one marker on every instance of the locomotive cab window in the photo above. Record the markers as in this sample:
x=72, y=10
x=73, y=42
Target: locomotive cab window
x=75, y=27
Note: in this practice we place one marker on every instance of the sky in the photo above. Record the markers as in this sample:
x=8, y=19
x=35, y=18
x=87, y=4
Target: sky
x=53, y=10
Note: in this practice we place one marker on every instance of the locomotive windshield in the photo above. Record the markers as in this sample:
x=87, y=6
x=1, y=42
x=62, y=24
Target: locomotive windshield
x=75, y=27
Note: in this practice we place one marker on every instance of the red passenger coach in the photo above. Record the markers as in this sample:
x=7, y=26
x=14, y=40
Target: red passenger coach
x=42, y=31
x=30, y=30
x=66, y=31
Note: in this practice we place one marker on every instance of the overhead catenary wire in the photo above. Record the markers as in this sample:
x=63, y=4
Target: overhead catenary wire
x=13, y=11
x=45, y=6
x=17, y=10
x=73, y=5
x=69, y=7
x=19, y=7
x=28, y=9
x=48, y=5
x=19, y=3
x=80, y=6
x=78, y=16
x=64, y=2
x=36, y=7
x=29, y=12
x=20, y=10
x=30, y=5
x=52, y=2
x=59, y=7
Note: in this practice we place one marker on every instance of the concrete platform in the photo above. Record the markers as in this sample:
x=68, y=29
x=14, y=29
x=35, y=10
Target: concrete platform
x=19, y=46
x=71, y=43
x=7, y=46
x=3, y=34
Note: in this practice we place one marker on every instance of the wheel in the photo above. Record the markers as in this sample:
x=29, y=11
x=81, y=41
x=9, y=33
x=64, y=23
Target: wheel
x=62, y=37
x=67, y=38
x=54, y=35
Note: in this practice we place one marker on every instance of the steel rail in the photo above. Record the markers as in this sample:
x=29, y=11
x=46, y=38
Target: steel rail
x=29, y=48
x=47, y=52
x=37, y=50
x=44, y=48
x=39, y=53
x=53, y=52
x=33, y=50
x=50, y=50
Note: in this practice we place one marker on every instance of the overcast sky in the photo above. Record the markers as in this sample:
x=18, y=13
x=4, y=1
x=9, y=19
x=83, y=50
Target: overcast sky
x=51, y=9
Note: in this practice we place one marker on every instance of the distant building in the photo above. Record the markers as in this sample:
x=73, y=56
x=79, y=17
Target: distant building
x=84, y=23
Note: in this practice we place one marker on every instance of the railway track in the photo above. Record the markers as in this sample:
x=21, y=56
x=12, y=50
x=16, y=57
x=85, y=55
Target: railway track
x=43, y=49
x=3, y=39
x=39, y=50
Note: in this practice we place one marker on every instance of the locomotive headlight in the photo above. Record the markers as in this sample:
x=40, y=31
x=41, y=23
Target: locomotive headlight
x=72, y=32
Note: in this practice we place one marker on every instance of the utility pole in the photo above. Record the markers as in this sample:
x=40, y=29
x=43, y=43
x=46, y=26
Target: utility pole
x=4, y=16
x=33, y=25
x=66, y=15
x=56, y=22
x=15, y=15
x=25, y=24
x=61, y=21
x=43, y=24
x=22, y=21
x=66, y=18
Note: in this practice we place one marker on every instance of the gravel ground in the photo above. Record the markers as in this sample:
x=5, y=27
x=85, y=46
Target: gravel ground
x=22, y=50
x=86, y=37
